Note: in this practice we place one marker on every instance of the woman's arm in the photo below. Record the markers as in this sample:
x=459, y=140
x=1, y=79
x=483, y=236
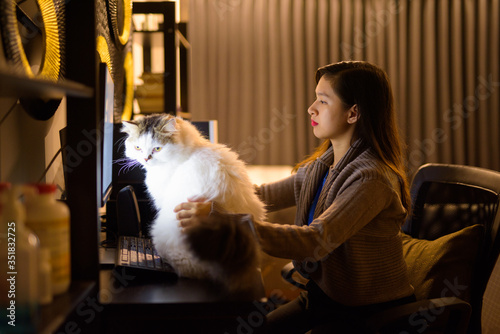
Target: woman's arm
x=352, y=210
x=278, y=195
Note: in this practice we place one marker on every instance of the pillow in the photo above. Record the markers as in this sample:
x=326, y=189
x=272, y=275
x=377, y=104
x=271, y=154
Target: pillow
x=490, y=322
x=443, y=267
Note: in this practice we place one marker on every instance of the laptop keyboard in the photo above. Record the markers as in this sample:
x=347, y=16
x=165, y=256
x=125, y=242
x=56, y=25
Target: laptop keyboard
x=137, y=252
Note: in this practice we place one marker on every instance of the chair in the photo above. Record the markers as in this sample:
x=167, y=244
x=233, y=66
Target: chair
x=449, y=198
x=452, y=232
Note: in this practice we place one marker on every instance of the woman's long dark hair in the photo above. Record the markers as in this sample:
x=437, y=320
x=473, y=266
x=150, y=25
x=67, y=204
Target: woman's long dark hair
x=367, y=86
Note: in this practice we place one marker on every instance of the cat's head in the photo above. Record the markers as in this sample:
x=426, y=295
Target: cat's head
x=150, y=137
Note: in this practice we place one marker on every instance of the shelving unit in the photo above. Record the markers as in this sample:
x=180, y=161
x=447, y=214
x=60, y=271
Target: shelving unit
x=73, y=311
x=68, y=312
x=60, y=310
x=167, y=9
x=12, y=84
x=78, y=309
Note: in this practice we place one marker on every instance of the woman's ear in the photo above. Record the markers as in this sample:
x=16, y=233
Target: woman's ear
x=353, y=114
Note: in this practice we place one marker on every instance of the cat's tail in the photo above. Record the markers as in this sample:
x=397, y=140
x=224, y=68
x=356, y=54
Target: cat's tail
x=230, y=244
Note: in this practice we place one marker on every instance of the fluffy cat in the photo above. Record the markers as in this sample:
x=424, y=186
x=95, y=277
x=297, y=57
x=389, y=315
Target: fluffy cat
x=180, y=164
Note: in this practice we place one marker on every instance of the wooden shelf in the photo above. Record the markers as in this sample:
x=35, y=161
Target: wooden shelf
x=148, y=31
x=57, y=313
x=13, y=84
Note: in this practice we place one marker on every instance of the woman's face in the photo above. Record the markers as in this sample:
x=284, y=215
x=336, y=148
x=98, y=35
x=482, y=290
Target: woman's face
x=329, y=117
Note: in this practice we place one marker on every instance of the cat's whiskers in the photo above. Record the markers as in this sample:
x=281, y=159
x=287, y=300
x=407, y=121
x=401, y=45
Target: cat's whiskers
x=126, y=164
x=121, y=142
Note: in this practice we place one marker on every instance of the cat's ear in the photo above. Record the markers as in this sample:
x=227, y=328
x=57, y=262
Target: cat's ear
x=170, y=126
x=129, y=126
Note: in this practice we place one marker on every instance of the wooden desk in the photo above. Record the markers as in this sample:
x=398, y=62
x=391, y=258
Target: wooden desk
x=168, y=304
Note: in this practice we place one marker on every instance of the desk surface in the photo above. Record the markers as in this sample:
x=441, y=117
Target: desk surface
x=138, y=303
x=144, y=287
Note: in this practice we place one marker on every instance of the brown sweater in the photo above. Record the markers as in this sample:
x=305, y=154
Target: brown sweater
x=353, y=248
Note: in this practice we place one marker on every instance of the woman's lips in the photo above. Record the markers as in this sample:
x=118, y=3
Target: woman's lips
x=313, y=123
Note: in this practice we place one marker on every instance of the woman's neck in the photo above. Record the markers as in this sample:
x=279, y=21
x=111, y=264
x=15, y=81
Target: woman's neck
x=340, y=148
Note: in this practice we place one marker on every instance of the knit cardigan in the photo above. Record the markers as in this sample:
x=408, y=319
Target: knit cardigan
x=352, y=249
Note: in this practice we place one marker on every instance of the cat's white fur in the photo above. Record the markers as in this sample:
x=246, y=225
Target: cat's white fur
x=189, y=166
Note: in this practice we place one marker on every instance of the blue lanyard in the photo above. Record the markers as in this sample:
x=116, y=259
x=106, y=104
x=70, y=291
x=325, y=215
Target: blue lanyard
x=315, y=201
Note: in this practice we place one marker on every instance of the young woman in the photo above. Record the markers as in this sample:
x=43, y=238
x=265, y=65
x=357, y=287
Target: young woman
x=351, y=196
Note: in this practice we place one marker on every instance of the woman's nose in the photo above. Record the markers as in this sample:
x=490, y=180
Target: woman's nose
x=311, y=110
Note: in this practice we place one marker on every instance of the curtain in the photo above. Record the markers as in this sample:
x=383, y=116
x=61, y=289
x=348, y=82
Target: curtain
x=253, y=63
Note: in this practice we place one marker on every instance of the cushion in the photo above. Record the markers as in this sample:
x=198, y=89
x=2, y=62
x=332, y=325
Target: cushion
x=490, y=322
x=443, y=267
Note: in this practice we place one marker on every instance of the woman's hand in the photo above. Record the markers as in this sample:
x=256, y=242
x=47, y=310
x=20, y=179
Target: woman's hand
x=190, y=213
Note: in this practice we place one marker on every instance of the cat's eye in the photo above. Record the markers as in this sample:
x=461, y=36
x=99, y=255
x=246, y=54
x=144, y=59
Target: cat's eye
x=138, y=148
x=157, y=149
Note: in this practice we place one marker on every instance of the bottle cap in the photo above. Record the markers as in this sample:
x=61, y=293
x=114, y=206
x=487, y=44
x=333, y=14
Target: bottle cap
x=5, y=186
x=45, y=188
